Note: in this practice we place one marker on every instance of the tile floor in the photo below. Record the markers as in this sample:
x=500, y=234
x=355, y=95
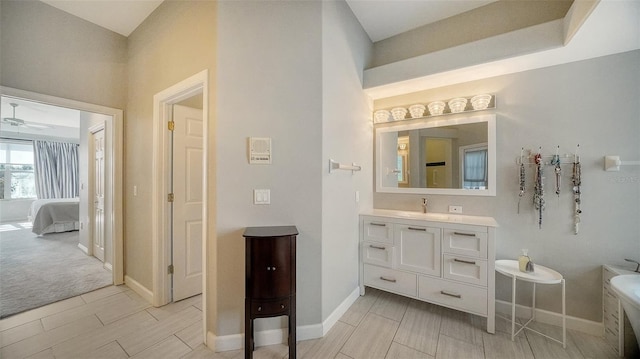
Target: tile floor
x=114, y=322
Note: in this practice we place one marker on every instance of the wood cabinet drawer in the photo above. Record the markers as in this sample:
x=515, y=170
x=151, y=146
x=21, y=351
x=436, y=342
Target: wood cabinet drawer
x=377, y=253
x=464, y=269
x=465, y=242
x=377, y=231
x=453, y=295
x=270, y=307
x=391, y=280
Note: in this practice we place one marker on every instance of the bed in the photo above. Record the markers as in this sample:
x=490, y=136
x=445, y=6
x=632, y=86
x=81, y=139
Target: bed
x=55, y=215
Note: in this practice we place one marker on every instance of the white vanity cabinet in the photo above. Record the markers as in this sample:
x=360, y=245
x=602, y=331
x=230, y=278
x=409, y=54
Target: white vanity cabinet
x=617, y=329
x=442, y=259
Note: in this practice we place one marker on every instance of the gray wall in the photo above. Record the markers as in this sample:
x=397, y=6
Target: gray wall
x=269, y=85
x=346, y=138
x=48, y=51
x=593, y=103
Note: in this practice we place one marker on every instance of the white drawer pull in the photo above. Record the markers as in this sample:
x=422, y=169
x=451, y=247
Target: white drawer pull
x=417, y=229
x=388, y=279
x=377, y=247
x=451, y=294
x=464, y=234
x=378, y=224
x=463, y=261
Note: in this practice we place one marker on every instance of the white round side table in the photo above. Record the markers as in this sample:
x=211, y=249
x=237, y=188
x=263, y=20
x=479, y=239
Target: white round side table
x=540, y=275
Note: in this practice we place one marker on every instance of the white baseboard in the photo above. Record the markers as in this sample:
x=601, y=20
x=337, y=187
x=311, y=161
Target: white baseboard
x=84, y=249
x=553, y=318
x=138, y=288
x=278, y=336
x=333, y=318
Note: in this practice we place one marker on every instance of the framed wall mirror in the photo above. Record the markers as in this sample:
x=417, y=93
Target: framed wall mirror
x=450, y=156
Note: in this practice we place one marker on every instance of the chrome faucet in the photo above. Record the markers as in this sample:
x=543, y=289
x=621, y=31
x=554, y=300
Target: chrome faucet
x=424, y=205
x=636, y=262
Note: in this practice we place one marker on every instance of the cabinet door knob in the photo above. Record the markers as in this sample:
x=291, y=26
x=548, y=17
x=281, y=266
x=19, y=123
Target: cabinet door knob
x=259, y=309
x=282, y=306
x=271, y=268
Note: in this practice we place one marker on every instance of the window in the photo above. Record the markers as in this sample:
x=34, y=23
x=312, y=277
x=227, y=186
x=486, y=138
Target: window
x=474, y=167
x=16, y=170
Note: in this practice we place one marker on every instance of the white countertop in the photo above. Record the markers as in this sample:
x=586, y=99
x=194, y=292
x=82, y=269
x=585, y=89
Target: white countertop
x=434, y=217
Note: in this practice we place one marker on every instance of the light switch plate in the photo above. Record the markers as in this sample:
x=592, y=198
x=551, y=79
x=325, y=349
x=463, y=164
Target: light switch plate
x=261, y=196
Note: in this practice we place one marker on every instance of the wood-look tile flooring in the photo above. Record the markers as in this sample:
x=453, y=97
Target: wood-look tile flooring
x=114, y=322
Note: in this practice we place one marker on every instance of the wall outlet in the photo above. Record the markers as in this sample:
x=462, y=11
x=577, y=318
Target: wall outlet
x=455, y=209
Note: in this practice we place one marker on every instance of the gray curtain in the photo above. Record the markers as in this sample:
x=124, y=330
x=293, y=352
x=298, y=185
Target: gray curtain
x=56, y=169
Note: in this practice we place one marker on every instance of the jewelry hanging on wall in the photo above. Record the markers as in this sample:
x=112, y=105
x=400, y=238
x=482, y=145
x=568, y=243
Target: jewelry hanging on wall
x=576, y=178
x=538, y=192
x=557, y=170
x=522, y=180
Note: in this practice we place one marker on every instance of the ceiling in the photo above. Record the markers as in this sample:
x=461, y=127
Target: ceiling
x=121, y=16
x=47, y=120
x=380, y=18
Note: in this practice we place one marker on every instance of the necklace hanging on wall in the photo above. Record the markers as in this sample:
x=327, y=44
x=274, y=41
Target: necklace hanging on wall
x=522, y=179
x=557, y=170
x=538, y=193
x=576, y=178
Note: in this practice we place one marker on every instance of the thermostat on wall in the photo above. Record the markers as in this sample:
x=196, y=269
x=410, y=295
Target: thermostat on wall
x=260, y=150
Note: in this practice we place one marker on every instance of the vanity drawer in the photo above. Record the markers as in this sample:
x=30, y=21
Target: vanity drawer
x=377, y=253
x=391, y=280
x=464, y=269
x=377, y=231
x=453, y=295
x=465, y=242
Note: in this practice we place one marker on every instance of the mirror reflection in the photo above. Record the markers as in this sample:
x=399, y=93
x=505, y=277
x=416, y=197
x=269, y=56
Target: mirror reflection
x=453, y=155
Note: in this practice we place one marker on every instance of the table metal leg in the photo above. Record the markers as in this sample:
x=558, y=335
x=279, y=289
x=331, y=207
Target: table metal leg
x=513, y=308
x=564, y=318
x=533, y=306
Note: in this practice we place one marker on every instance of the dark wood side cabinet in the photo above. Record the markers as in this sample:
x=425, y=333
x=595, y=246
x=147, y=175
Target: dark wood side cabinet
x=270, y=285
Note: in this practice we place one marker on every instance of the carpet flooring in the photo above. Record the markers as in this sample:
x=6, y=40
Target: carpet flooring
x=35, y=271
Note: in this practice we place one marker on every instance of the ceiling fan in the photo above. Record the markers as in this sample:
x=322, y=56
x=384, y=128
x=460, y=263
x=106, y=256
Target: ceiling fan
x=14, y=121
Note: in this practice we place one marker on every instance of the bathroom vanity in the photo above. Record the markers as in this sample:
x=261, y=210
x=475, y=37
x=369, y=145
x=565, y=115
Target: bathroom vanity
x=617, y=329
x=439, y=258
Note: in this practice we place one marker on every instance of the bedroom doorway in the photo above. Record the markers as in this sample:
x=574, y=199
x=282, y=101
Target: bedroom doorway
x=112, y=121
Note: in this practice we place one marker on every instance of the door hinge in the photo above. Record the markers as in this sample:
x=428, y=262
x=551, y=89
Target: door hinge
x=171, y=125
x=170, y=269
x=170, y=197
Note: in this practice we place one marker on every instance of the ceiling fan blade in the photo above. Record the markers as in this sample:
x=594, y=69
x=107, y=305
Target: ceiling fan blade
x=36, y=126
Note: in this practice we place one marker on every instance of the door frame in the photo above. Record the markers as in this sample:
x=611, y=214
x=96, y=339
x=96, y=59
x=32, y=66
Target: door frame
x=114, y=167
x=161, y=234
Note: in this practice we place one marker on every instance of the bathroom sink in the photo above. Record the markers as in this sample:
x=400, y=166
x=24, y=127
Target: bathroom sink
x=423, y=216
x=627, y=287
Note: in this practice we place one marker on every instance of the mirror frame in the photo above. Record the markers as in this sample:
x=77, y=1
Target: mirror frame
x=430, y=123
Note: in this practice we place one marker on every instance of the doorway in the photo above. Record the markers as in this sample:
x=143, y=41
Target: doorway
x=162, y=256
x=112, y=120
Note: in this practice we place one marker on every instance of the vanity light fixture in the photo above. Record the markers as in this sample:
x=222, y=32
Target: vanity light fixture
x=437, y=108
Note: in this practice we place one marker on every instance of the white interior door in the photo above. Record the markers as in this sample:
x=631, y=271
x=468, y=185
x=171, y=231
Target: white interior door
x=98, y=194
x=187, y=205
